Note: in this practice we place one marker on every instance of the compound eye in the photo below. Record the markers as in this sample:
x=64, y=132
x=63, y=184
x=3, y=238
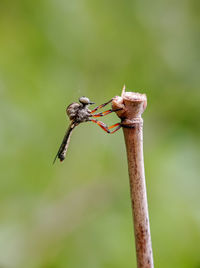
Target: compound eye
x=84, y=100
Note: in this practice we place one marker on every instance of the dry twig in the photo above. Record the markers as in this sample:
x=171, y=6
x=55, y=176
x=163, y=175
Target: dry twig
x=133, y=105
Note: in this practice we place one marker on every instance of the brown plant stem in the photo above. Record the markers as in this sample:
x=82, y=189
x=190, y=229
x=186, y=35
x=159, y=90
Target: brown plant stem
x=133, y=105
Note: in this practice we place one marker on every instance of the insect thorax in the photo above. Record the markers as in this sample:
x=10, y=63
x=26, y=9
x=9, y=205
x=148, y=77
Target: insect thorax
x=72, y=110
x=78, y=112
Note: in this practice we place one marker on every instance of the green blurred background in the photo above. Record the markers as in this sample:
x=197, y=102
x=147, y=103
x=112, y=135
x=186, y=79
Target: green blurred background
x=78, y=213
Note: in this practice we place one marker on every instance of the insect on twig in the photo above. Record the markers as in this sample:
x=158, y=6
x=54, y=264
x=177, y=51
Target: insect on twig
x=79, y=113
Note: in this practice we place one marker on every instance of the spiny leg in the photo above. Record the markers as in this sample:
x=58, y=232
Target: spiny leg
x=105, y=128
x=100, y=106
x=105, y=113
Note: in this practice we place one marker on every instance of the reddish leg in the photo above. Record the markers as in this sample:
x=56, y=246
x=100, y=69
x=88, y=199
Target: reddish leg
x=105, y=128
x=105, y=113
x=100, y=106
x=117, y=125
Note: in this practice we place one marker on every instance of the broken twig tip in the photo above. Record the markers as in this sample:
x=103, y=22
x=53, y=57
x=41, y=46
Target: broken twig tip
x=123, y=89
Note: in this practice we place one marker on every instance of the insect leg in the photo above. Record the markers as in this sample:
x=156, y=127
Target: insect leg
x=100, y=106
x=105, y=128
x=105, y=113
x=118, y=125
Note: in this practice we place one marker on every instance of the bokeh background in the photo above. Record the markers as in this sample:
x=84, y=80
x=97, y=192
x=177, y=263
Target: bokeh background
x=78, y=213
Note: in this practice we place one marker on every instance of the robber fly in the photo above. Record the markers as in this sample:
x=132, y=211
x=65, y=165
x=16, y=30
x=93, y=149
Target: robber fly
x=79, y=113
